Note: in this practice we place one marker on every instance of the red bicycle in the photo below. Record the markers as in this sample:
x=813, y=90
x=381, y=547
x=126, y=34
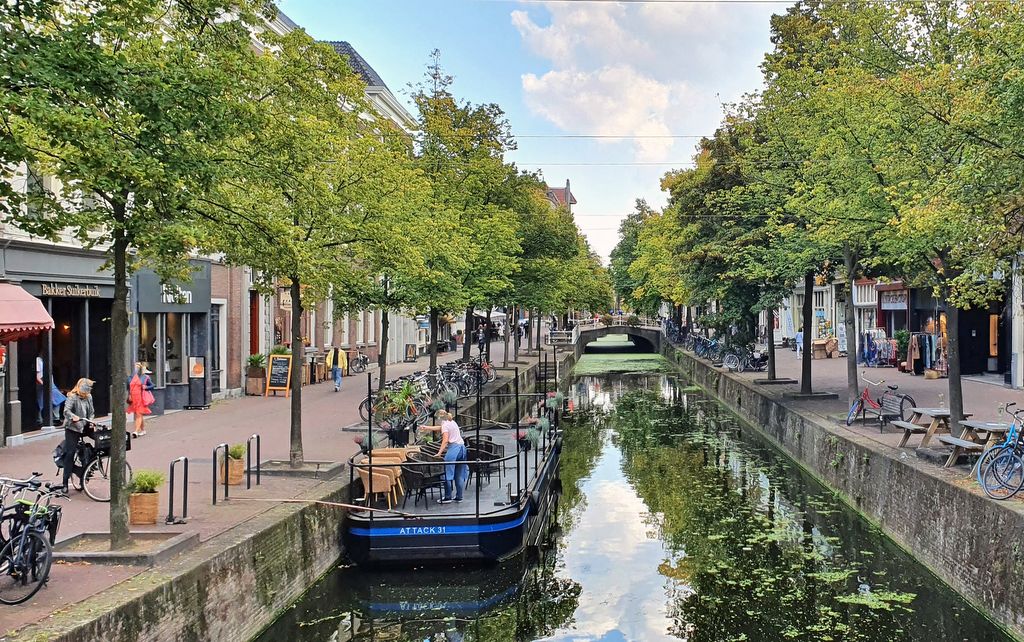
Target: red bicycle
x=891, y=405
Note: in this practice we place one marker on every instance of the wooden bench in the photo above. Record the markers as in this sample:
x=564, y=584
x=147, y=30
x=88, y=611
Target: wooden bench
x=908, y=430
x=890, y=410
x=960, y=446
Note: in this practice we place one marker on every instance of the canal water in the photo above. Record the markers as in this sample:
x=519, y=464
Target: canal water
x=676, y=522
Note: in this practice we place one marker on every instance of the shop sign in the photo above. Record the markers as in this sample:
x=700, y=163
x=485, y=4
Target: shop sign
x=156, y=296
x=893, y=299
x=70, y=290
x=285, y=299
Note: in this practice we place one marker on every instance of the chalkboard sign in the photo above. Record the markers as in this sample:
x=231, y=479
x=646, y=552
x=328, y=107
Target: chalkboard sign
x=280, y=373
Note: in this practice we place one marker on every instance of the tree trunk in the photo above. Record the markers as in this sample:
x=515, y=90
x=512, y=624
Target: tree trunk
x=850, y=259
x=770, y=339
x=677, y=315
x=515, y=330
x=382, y=356
x=120, y=537
x=298, y=354
x=433, y=342
x=808, y=318
x=540, y=341
x=467, y=342
x=508, y=315
x=487, y=337
x=689, y=319
x=956, y=391
x=528, y=331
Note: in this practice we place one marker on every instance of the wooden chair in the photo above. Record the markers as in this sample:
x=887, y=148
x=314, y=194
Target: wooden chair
x=382, y=485
x=390, y=465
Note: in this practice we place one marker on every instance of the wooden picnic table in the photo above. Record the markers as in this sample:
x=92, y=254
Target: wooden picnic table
x=977, y=436
x=937, y=420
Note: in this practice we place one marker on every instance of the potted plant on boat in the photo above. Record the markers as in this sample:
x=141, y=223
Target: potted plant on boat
x=144, y=500
x=235, y=468
x=255, y=374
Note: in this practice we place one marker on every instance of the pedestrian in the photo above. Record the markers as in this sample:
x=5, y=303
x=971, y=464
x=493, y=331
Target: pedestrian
x=501, y=331
x=481, y=337
x=336, y=361
x=78, y=412
x=453, y=448
x=56, y=396
x=140, y=396
x=799, y=343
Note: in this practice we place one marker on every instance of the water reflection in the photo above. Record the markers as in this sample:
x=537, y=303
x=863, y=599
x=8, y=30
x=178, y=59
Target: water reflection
x=675, y=525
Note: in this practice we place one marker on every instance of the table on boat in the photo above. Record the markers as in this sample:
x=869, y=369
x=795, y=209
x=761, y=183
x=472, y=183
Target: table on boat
x=937, y=421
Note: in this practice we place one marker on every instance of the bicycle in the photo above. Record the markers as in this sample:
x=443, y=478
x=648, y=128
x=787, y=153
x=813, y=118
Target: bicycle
x=1000, y=469
x=26, y=558
x=359, y=363
x=890, y=404
x=91, y=471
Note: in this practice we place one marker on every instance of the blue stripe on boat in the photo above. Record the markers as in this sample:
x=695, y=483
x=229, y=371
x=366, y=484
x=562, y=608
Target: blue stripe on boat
x=419, y=531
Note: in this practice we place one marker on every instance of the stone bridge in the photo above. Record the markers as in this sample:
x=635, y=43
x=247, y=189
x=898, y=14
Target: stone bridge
x=646, y=338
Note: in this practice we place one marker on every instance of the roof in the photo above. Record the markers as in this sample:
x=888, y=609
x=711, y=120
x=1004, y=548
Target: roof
x=358, y=63
x=560, y=196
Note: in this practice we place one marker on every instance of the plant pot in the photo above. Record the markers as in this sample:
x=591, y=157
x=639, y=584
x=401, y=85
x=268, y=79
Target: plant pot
x=236, y=471
x=142, y=508
x=255, y=385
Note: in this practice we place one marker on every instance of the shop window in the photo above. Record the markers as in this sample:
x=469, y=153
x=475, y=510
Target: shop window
x=175, y=344
x=360, y=328
x=993, y=335
x=149, y=332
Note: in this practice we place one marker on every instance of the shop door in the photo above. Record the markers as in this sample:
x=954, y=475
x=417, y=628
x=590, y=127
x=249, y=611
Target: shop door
x=974, y=347
x=254, y=322
x=215, y=346
x=98, y=365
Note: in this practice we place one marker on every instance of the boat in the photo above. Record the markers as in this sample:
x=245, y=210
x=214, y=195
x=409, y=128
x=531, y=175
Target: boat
x=502, y=514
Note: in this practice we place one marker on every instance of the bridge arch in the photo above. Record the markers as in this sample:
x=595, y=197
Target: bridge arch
x=646, y=339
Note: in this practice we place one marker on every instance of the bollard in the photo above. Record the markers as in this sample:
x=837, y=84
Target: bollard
x=184, y=493
x=248, y=461
x=223, y=447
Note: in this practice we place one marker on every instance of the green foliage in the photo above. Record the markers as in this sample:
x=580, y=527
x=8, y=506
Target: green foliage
x=280, y=349
x=237, y=451
x=256, y=360
x=146, y=481
x=902, y=343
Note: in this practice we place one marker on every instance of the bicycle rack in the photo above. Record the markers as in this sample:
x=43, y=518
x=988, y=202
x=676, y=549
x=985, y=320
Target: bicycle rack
x=171, y=519
x=217, y=449
x=248, y=462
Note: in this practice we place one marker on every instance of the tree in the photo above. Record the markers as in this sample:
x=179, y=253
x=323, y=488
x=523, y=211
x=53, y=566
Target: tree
x=128, y=105
x=316, y=192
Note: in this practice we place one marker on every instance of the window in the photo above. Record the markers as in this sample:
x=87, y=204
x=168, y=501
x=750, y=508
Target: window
x=361, y=328
x=149, y=330
x=175, y=346
x=344, y=330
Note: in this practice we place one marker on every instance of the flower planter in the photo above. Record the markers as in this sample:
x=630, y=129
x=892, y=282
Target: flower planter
x=255, y=385
x=236, y=471
x=142, y=508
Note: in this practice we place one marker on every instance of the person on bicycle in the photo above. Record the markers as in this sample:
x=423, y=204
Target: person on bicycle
x=78, y=411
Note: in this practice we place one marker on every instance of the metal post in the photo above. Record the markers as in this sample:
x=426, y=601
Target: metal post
x=216, y=449
x=248, y=461
x=479, y=387
x=369, y=442
x=184, y=491
x=519, y=476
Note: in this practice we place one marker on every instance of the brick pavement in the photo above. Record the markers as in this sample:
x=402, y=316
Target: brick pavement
x=194, y=433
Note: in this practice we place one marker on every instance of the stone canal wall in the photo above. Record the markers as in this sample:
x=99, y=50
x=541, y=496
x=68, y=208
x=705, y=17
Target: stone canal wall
x=235, y=584
x=974, y=544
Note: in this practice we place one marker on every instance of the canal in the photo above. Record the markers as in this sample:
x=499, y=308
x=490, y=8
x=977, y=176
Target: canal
x=676, y=522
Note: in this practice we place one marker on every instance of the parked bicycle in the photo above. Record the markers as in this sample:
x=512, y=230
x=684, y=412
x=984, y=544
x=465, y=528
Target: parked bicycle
x=31, y=527
x=891, y=405
x=91, y=471
x=1000, y=470
x=741, y=358
x=359, y=363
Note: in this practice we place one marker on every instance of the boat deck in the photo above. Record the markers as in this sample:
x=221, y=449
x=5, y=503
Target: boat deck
x=497, y=492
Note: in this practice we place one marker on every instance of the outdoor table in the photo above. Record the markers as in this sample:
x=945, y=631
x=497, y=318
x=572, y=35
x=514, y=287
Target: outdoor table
x=938, y=420
x=990, y=433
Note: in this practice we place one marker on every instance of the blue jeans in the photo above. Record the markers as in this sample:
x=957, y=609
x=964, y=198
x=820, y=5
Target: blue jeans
x=336, y=373
x=457, y=472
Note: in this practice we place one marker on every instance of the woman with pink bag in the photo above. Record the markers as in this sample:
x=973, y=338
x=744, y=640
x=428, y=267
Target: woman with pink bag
x=140, y=396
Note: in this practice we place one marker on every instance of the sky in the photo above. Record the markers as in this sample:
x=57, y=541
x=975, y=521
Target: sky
x=609, y=95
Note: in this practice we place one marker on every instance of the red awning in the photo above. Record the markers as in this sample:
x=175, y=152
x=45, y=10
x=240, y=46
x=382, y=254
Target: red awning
x=21, y=314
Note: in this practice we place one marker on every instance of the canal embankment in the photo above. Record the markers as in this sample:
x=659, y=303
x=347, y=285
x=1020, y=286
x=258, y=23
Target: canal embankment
x=233, y=585
x=937, y=515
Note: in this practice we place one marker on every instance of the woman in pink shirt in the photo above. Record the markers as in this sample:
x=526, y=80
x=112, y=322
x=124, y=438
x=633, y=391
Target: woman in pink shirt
x=453, y=448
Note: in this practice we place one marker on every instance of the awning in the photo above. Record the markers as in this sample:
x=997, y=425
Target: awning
x=21, y=314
